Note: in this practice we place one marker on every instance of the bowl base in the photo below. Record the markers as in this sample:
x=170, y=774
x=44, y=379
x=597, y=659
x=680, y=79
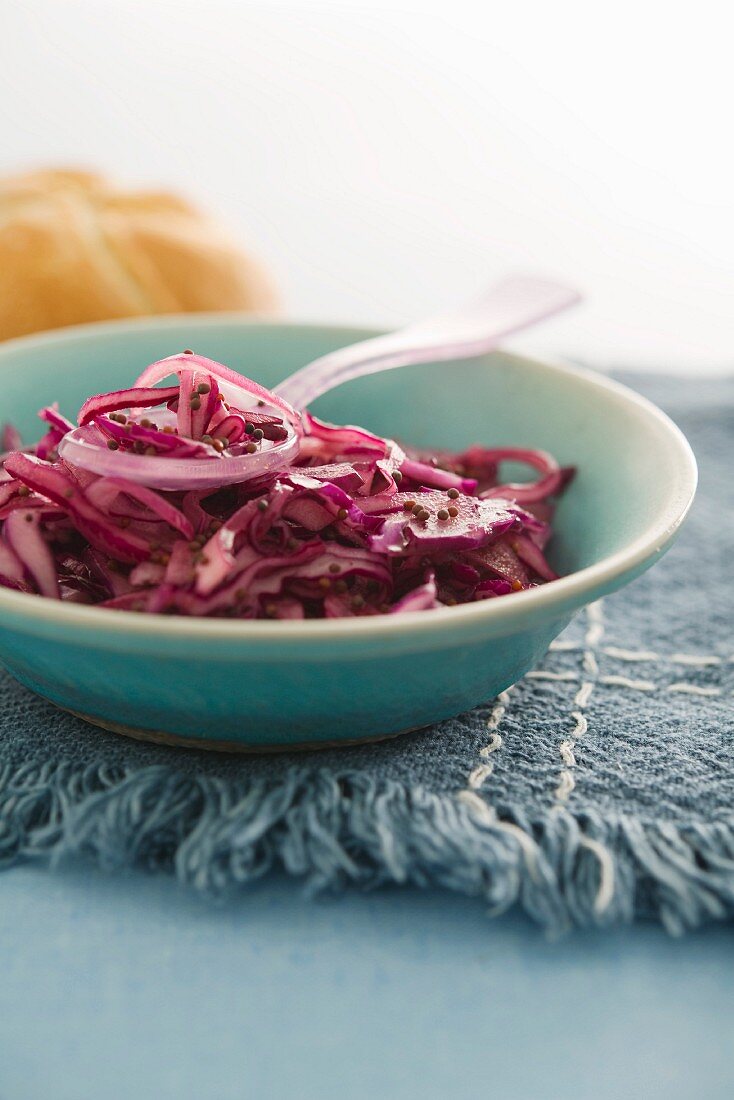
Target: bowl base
x=174, y=740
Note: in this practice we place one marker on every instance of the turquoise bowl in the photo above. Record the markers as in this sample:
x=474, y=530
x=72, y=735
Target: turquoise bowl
x=258, y=685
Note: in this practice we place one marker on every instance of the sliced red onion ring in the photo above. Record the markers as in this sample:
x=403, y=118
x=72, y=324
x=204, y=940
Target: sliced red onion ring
x=104, y=492
x=58, y=486
x=176, y=459
x=10, y=564
x=238, y=391
x=419, y=599
x=131, y=433
x=231, y=427
x=435, y=478
x=24, y=538
x=53, y=417
x=81, y=448
x=549, y=483
x=8, y=489
x=138, y=397
x=528, y=552
x=325, y=439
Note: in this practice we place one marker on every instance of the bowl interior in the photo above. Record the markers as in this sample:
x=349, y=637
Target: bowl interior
x=626, y=455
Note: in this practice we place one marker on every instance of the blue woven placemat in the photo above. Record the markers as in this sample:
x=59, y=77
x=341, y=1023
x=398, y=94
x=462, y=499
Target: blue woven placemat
x=598, y=789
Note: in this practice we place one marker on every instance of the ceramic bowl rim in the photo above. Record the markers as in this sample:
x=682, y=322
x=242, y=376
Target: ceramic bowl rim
x=560, y=594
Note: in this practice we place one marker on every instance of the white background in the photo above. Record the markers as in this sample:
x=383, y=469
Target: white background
x=387, y=159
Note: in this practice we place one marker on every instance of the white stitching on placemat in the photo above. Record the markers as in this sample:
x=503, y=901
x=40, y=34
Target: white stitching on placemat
x=494, y=744
x=581, y=724
x=692, y=659
x=566, y=784
x=605, y=892
x=612, y=680
x=591, y=668
x=498, y=711
x=482, y=771
x=488, y=814
x=567, y=781
x=631, y=654
x=480, y=774
x=583, y=695
x=566, y=751
x=695, y=660
x=594, y=635
x=694, y=689
x=625, y=682
x=541, y=674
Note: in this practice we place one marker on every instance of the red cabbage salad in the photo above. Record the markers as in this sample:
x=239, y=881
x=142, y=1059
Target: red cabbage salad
x=271, y=514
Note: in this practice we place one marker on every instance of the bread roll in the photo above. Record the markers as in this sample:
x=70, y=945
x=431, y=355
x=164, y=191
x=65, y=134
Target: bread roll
x=73, y=248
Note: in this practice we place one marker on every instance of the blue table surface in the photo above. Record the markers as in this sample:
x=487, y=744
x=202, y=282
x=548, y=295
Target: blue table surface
x=126, y=988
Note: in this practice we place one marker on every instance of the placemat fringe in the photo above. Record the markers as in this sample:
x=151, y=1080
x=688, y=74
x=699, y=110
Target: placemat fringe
x=336, y=829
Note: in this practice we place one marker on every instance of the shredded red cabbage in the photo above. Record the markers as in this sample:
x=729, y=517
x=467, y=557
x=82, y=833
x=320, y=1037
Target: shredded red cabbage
x=332, y=521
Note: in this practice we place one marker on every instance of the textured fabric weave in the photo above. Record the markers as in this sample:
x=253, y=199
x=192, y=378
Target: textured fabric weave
x=599, y=789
